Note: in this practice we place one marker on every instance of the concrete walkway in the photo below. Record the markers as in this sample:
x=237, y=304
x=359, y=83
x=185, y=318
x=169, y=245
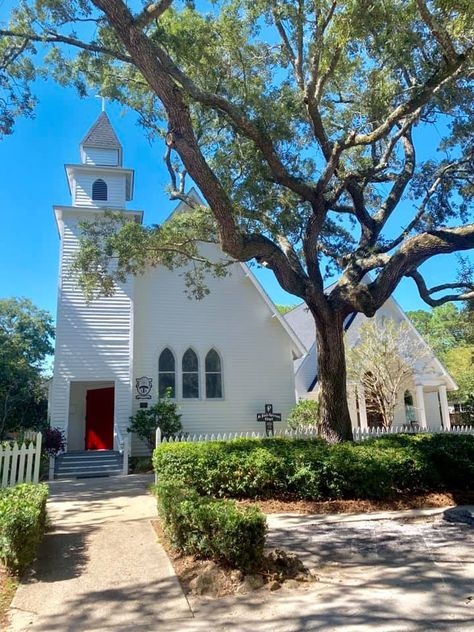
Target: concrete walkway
x=100, y=567
x=410, y=571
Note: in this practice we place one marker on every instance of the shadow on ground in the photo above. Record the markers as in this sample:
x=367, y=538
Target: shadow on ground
x=62, y=556
x=127, y=608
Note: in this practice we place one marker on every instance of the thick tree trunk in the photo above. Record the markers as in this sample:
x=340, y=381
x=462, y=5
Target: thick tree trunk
x=334, y=409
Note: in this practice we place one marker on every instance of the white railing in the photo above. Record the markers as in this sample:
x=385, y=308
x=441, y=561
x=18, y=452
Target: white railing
x=304, y=433
x=119, y=438
x=20, y=463
x=124, y=448
x=362, y=434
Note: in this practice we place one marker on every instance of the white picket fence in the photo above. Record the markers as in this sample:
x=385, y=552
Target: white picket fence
x=20, y=463
x=306, y=433
x=362, y=434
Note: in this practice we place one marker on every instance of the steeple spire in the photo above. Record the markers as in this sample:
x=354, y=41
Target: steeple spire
x=102, y=136
x=99, y=96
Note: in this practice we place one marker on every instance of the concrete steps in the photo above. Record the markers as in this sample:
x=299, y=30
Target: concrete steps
x=88, y=464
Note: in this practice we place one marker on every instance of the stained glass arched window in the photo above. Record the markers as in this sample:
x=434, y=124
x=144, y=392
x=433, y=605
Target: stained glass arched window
x=190, y=371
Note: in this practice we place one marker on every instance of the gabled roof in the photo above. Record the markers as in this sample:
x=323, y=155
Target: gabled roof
x=302, y=322
x=102, y=135
x=298, y=347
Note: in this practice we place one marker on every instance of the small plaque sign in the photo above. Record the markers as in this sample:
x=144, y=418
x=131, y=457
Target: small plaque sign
x=268, y=415
x=143, y=386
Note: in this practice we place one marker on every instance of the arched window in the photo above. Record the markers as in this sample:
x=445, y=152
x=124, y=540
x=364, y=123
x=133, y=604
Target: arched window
x=410, y=414
x=99, y=190
x=190, y=367
x=166, y=373
x=213, y=375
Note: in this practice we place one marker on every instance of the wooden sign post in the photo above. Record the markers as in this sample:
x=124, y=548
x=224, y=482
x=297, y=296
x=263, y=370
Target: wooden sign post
x=269, y=417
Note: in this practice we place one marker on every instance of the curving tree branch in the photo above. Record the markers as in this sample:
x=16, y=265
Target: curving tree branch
x=427, y=293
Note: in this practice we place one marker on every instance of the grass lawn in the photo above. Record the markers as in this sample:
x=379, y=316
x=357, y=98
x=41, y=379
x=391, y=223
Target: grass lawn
x=8, y=585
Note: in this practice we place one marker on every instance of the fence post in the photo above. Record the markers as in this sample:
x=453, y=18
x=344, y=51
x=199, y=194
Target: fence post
x=21, y=466
x=14, y=464
x=36, y=470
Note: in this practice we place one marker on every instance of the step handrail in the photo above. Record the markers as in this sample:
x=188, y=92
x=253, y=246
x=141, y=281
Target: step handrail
x=124, y=448
x=120, y=440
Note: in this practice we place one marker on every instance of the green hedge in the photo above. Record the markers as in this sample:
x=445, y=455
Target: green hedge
x=314, y=469
x=211, y=528
x=22, y=523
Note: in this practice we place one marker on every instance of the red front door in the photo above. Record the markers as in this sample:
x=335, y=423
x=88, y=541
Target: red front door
x=100, y=419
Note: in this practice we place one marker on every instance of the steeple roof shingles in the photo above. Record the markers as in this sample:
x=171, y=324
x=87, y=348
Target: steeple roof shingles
x=102, y=135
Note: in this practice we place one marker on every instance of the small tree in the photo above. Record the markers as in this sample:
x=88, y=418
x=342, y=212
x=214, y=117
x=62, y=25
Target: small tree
x=163, y=414
x=304, y=415
x=383, y=360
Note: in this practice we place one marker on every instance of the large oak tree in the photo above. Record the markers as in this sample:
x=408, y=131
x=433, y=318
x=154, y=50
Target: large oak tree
x=327, y=137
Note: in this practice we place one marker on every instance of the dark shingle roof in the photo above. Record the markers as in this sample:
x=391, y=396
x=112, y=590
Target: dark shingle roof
x=102, y=135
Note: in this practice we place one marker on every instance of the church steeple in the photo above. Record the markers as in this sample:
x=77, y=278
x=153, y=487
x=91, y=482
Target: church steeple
x=100, y=146
x=100, y=181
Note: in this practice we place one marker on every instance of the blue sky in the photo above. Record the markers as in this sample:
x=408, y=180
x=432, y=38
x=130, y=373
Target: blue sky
x=33, y=180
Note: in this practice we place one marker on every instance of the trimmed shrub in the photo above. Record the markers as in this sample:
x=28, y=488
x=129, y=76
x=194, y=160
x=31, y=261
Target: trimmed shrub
x=313, y=469
x=210, y=528
x=22, y=523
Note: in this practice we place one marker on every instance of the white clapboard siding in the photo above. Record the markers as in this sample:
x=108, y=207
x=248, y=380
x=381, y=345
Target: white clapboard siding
x=116, y=190
x=104, y=157
x=234, y=319
x=20, y=463
x=93, y=341
x=362, y=434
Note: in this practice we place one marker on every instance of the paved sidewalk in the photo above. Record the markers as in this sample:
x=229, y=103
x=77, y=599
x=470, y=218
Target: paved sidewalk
x=100, y=567
x=406, y=571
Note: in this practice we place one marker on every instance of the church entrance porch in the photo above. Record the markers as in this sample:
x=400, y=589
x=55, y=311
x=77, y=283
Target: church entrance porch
x=91, y=416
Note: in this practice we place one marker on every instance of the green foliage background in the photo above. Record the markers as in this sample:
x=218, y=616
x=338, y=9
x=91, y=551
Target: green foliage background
x=450, y=333
x=26, y=335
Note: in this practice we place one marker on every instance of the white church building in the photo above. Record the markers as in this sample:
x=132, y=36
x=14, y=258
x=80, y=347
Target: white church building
x=224, y=357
